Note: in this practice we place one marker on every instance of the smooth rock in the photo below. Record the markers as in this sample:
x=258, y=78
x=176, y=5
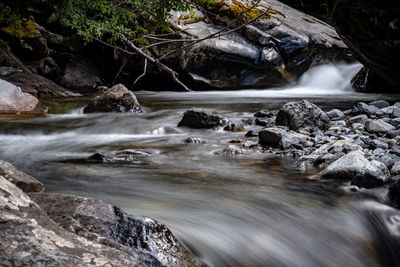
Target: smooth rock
x=395, y=170
x=301, y=114
x=279, y=138
x=354, y=166
x=380, y=104
x=359, y=119
x=13, y=100
x=335, y=113
x=378, y=126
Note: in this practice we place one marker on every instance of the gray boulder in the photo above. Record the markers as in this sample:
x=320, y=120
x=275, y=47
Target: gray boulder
x=24, y=181
x=279, y=138
x=354, y=166
x=378, y=126
x=301, y=114
x=13, y=100
x=335, y=113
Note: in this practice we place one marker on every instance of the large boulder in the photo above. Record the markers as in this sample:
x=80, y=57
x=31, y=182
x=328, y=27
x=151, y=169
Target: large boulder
x=115, y=99
x=147, y=240
x=13, y=100
x=28, y=236
x=24, y=181
x=371, y=29
x=355, y=167
x=271, y=51
x=301, y=114
x=33, y=84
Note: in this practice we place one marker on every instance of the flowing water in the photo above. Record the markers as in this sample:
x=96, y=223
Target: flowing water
x=250, y=209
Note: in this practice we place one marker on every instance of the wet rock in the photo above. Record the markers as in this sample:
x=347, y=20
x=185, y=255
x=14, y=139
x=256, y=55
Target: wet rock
x=300, y=114
x=128, y=156
x=193, y=140
x=264, y=114
x=265, y=123
x=371, y=110
x=24, y=181
x=395, y=170
x=391, y=111
x=380, y=104
x=279, y=138
x=232, y=150
x=234, y=127
x=359, y=119
x=13, y=100
x=358, y=126
x=196, y=118
x=146, y=240
x=378, y=126
x=116, y=99
x=393, y=133
x=29, y=237
x=251, y=133
x=376, y=143
x=354, y=166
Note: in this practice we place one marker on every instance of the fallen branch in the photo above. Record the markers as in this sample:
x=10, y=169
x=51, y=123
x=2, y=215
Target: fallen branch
x=144, y=72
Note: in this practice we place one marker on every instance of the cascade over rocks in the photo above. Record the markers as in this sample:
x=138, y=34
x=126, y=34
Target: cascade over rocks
x=116, y=99
x=301, y=114
x=371, y=29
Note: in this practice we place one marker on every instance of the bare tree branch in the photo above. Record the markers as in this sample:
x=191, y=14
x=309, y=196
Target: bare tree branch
x=144, y=72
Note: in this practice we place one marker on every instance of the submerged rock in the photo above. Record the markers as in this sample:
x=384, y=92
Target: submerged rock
x=279, y=138
x=301, y=114
x=196, y=118
x=354, y=166
x=127, y=156
x=116, y=99
x=13, y=100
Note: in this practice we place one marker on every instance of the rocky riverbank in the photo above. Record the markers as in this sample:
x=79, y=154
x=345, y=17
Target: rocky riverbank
x=358, y=146
x=39, y=228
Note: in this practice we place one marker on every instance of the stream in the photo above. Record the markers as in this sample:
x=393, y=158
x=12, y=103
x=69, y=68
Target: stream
x=250, y=209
